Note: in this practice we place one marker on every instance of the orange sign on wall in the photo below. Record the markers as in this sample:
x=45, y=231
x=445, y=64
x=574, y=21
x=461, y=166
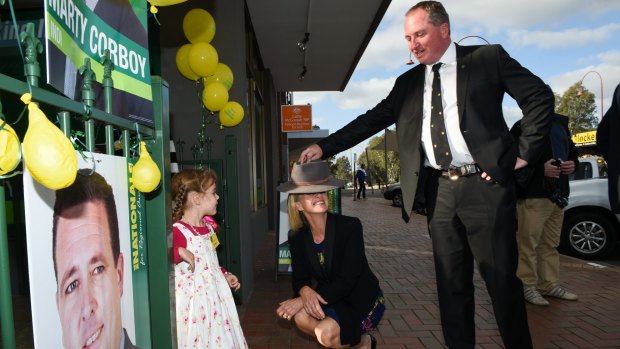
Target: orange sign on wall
x=296, y=118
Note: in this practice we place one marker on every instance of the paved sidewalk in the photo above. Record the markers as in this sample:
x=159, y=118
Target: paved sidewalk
x=400, y=255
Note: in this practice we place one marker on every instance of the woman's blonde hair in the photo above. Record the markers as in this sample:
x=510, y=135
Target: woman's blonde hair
x=294, y=215
x=186, y=182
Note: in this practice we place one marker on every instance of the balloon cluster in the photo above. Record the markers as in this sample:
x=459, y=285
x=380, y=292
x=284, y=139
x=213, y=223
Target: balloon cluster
x=199, y=60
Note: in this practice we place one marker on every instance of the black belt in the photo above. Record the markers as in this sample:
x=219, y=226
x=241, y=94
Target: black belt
x=455, y=172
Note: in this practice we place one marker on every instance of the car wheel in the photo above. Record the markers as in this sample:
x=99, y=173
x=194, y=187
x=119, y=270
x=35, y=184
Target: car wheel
x=587, y=235
x=397, y=199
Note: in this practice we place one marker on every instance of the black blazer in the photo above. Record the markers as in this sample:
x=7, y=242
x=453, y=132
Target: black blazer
x=608, y=144
x=347, y=283
x=484, y=75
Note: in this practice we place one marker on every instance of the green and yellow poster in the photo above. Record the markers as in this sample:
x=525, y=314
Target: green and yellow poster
x=89, y=30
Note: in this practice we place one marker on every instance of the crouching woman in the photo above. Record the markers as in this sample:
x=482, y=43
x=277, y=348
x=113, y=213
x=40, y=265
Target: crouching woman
x=337, y=298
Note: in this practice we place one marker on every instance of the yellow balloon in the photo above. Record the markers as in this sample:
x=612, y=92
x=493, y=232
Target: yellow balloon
x=48, y=153
x=145, y=173
x=199, y=26
x=202, y=59
x=163, y=3
x=9, y=148
x=231, y=114
x=222, y=74
x=183, y=63
x=214, y=96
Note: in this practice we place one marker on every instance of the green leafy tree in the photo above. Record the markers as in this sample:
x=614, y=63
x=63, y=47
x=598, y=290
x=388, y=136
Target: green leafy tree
x=578, y=104
x=375, y=163
x=341, y=168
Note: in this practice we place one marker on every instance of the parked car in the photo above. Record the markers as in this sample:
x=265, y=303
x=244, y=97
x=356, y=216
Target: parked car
x=393, y=192
x=590, y=230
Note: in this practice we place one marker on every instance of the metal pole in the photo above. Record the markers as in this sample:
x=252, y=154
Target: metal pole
x=368, y=174
x=354, y=173
x=108, y=85
x=387, y=176
x=601, y=81
x=65, y=122
x=6, y=300
x=88, y=98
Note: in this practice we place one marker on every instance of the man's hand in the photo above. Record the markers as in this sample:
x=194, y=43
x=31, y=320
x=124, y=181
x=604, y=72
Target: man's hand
x=313, y=152
x=552, y=170
x=187, y=257
x=567, y=167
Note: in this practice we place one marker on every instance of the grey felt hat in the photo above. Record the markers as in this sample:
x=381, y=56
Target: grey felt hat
x=310, y=177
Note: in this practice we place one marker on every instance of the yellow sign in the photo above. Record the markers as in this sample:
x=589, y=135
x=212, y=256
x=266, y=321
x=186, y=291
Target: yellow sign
x=584, y=138
x=296, y=118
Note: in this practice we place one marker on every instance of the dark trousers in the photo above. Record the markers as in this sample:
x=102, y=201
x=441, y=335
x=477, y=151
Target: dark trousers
x=362, y=189
x=474, y=220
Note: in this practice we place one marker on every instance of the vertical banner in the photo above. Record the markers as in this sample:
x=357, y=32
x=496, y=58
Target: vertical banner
x=80, y=258
x=137, y=221
x=137, y=229
x=77, y=30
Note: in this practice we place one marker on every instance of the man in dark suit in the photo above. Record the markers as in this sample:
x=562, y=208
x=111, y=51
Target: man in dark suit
x=469, y=188
x=608, y=144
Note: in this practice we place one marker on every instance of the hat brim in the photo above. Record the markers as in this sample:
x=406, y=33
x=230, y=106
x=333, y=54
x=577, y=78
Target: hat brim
x=292, y=188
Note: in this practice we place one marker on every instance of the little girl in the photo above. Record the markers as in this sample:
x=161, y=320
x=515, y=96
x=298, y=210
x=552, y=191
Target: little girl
x=205, y=308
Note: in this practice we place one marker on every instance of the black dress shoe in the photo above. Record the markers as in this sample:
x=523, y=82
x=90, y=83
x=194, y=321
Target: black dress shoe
x=373, y=342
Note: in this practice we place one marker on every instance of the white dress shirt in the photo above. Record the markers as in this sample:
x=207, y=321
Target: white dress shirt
x=460, y=153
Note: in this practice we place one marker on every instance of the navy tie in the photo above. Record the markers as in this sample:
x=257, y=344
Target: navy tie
x=441, y=147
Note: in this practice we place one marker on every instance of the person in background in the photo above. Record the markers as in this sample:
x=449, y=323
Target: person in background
x=88, y=264
x=608, y=142
x=449, y=123
x=337, y=298
x=205, y=308
x=543, y=192
x=360, y=176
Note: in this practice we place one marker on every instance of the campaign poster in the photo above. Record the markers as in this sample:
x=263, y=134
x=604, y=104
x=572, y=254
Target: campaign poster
x=74, y=287
x=84, y=29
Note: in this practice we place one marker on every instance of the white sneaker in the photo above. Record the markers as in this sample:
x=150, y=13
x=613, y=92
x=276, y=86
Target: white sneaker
x=532, y=296
x=559, y=292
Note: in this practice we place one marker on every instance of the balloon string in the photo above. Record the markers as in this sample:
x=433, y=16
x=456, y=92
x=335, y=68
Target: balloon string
x=80, y=147
x=21, y=115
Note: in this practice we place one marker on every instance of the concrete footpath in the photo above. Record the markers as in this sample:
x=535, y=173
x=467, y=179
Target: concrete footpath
x=400, y=254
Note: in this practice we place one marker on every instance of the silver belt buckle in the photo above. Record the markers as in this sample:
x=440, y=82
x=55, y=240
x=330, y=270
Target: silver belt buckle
x=453, y=173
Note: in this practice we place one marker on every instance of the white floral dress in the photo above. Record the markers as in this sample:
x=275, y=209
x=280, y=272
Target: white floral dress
x=205, y=308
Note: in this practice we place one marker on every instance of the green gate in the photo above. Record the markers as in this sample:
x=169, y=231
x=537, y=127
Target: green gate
x=152, y=308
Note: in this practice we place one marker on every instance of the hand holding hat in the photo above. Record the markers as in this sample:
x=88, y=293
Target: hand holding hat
x=310, y=177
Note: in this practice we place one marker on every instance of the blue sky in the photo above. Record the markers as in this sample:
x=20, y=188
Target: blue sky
x=558, y=40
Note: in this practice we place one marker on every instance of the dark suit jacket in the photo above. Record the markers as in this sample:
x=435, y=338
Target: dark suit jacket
x=608, y=144
x=484, y=74
x=531, y=180
x=347, y=283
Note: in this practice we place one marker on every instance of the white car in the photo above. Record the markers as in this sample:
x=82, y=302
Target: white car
x=590, y=229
